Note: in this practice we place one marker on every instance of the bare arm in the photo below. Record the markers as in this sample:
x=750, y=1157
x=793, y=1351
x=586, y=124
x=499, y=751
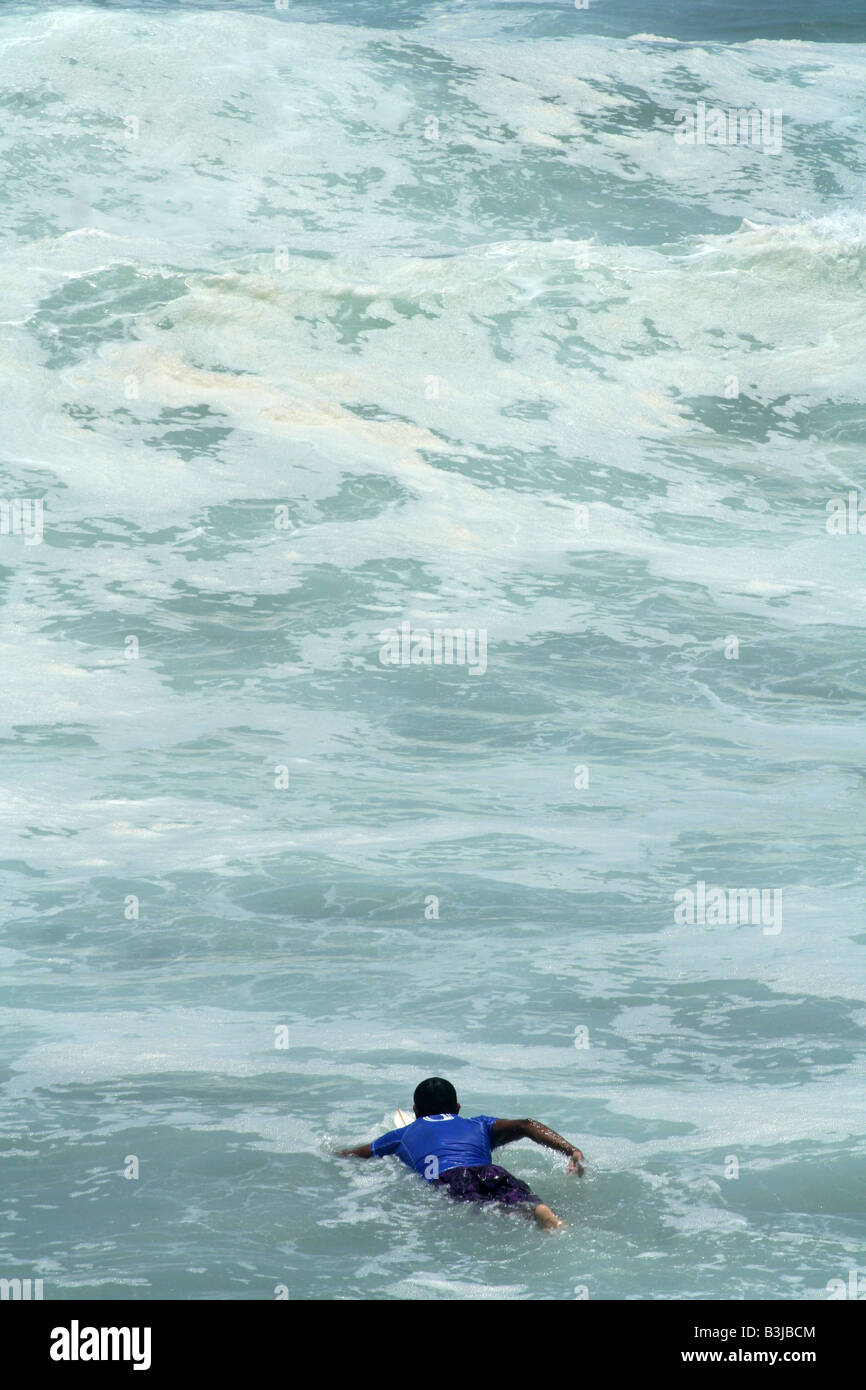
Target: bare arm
x=507, y=1131
x=362, y=1151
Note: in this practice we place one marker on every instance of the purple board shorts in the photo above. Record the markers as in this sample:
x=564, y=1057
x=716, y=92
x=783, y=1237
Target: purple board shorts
x=487, y=1183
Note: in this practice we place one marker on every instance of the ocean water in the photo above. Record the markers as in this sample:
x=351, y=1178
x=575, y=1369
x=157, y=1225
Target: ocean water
x=324, y=320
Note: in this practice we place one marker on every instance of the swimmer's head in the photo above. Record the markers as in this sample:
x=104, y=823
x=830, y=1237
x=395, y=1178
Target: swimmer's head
x=435, y=1097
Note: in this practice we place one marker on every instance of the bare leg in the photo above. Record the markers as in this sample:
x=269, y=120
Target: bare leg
x=547, y=1219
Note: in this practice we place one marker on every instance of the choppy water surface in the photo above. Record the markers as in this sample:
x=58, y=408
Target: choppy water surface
x=326, y=320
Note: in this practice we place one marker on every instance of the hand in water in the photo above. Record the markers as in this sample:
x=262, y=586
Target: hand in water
x=575, y=1164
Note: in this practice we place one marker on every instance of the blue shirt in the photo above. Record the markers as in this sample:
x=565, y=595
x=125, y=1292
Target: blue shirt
x=436, y=1143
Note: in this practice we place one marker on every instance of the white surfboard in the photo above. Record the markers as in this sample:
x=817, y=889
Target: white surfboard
x=403, y=1118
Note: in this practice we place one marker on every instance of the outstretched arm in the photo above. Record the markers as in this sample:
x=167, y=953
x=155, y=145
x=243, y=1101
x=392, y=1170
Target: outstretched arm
x=507, y=1131
x=385, y=1144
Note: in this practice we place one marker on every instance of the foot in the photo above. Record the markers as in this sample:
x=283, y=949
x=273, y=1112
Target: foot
x=547, y=1219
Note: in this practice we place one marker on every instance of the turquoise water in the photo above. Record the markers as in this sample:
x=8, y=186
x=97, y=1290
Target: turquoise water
x=324, y=320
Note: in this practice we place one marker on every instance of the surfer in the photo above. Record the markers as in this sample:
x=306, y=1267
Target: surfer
x=454, y=1153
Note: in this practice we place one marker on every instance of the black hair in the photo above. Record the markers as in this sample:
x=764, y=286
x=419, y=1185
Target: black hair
x=435, y=1097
